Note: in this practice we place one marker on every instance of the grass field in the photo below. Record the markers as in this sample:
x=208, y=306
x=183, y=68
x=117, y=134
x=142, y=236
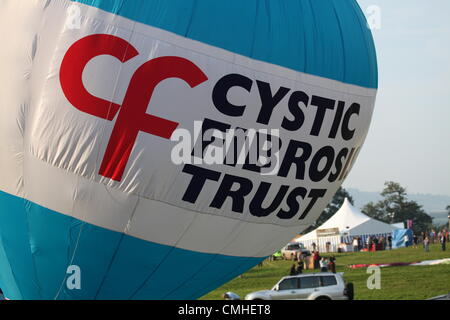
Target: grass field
x=397, y=283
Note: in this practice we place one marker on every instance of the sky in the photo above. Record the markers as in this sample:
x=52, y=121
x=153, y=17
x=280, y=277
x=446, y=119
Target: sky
x=409, y=139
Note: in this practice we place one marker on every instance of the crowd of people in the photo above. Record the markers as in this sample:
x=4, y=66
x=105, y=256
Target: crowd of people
x=328, y=264
x=432, y=237
x=324, y=264
x=372, y=243
x=385, y=243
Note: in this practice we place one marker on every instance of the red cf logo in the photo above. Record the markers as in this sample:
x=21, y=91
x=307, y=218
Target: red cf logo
x=133, y=116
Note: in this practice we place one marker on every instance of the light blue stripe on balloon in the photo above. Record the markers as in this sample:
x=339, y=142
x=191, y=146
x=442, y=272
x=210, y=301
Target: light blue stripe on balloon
x=37, y=245
x=326, y=38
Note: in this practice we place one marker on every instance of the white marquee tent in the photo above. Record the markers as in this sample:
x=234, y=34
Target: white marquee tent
x=345, y=224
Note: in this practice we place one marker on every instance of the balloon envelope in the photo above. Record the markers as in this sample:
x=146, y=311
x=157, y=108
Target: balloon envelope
x=98, y=101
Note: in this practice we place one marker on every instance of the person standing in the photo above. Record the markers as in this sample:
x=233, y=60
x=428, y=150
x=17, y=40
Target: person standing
x=332, y=264
x=415, y=240
x=328, y=246
x=422, y=238
x=375, y=244
x=298, y=255
x=426, y=244
x=293, y=271
x=316, y=258
x=300, y=267
x=355, y=244
x=406, y=240
x=443, y=240
x=389, y=240
x=323, y=265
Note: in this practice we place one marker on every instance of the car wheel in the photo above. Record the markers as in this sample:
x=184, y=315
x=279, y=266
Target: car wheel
x=350, y=291
x=323, y=298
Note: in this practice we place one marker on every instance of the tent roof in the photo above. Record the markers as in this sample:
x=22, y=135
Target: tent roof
x=352, y=221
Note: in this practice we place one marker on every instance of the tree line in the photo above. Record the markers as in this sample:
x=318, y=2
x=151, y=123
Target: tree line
x=394, y=207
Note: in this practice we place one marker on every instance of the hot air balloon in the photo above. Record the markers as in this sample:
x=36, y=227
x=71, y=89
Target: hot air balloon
x=96, y=98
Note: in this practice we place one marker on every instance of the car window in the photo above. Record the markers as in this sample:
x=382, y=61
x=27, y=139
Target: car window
x=288, y=284
x=309, y=282
x=293, y=247
x=328, y=281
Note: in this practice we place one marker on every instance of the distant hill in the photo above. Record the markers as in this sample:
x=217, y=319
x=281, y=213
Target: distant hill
x=439, y=217
x=434, y=205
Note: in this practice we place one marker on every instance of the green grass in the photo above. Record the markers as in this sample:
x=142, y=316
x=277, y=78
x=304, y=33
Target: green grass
x=397, y=283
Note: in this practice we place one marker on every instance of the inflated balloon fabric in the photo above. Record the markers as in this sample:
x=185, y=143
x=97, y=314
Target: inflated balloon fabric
x=97, y=98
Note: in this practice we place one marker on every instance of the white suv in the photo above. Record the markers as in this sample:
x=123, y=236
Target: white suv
x=291, y=250
x=310, y=286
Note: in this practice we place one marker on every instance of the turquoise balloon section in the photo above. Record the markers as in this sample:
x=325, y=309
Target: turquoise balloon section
x=113, y=265
x=326, y=38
